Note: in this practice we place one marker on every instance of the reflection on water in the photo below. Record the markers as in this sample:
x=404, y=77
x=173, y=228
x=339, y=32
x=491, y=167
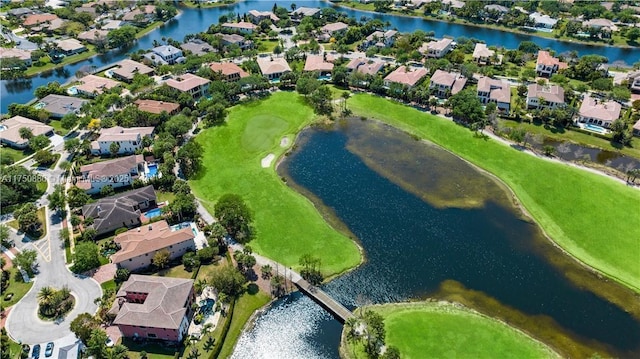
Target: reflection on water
x=413, y=247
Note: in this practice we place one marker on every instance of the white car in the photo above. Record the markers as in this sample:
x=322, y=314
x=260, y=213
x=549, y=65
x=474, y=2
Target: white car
x=109, y=343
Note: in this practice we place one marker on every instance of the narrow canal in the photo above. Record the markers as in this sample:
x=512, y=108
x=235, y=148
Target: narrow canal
x=192, y=21
x=429, y=222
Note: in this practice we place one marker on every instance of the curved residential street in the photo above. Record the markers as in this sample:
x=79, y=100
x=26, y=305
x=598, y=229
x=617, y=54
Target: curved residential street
x=23, y=324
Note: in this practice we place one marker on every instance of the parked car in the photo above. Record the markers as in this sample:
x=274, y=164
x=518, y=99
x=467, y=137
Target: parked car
x=49, y=350
x=35, y=353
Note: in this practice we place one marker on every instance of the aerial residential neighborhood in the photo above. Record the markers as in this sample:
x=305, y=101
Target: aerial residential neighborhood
x=180, y=178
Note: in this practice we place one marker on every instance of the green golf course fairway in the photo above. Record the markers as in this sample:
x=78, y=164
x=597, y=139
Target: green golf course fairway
x=287, y=224
x=592, y=217
x=442, y=330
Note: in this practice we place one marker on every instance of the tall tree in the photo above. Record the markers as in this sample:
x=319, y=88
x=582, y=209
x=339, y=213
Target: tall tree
x=233, y=213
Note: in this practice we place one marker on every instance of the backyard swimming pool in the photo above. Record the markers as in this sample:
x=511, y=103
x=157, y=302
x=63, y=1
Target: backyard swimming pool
x=595, y=128
x=153, y=213
x=152, y=170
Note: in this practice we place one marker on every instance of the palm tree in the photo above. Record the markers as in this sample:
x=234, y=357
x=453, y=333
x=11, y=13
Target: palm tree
x=345, y=96
x=45, y=295
x=351, y=334
x=117, y=352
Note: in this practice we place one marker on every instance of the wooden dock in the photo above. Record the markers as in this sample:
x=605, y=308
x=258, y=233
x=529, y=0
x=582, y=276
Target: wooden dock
x=339, y=311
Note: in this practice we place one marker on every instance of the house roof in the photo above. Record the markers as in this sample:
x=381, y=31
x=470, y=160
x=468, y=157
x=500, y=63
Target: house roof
x=438, y=45
x=118, y=133
x=539, y=18
x=454, y=3
x=498, y=90
x=187, y=82
x=117, y=166
x=6, y=53
x=482, y=51
x=365, y=66
x=118, y=209
x=317, y=63
x=636, y=126
x=148, y=239
x=598, y=23
x=36, y=19
x=407, y=75
x=305, y=11
x=333, y=27
x=111, y=24
x=164, y=306
x=62, y=105
x=232, y=38
x=260, y=14
x=228, y=68
x=21, y=11
x=166, y=50
x=608, y=111
x=274, y=65
x=96, y=84
x=15, y=123
x=128, y=68
x=153, y=106
x=93, y=35
x=242, y=25
x=69, y=44
x=455, y=81
x=197, y=47
x=498, y=8
x=551, y=93
x=545, y=58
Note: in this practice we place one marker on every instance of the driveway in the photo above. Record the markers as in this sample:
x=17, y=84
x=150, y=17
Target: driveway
x=23, y=323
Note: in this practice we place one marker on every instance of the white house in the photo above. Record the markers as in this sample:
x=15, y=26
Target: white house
x=436, y=49
x=129, y=140
x=496, y=91
x=545, y=96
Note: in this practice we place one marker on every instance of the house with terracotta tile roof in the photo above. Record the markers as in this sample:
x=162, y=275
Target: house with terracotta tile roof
x=256, y=16
x=38, y=19
x=317, y=63
x=137, y=246
x=547, y=65
x=150, y=307
x=242, y=26
x=129, y=140
x=380, y=39
x=273, y=67
x=157, y=107
x=194, y=85
x=405, y=75
x=92, y=85
x=364, y=66
x=116, y=173
x=123, y=210
x=436, y=49
x=482, y=54
x=142, y=15
x=13, y=53
x=545, y=96
x=126, y=69
x=229, y=71
x=496, y=91
x=444, y=84
x=10, y=131
x=597, y=112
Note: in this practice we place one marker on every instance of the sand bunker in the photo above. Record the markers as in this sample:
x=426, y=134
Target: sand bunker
x=284, y=142
x=266, y=162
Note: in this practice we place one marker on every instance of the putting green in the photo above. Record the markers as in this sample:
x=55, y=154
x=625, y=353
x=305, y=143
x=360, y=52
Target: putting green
x=287, y=224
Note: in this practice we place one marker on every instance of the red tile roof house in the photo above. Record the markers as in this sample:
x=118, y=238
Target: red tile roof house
x=436, y=49
x=140, y=244
x=365, y=66
x=444, y=84
x=154, y=307
x=482, y=54
x=157, y=107
x=116, y=173
x=92, y=85
x=242, y=26
x=547, y=65
x=552, y=96
x=195, y=86
x=229, y=71
x=129, y=140
x=496, y=91
x=596, y=112
x=407, y=76
x=317, y=63
x=37, y=19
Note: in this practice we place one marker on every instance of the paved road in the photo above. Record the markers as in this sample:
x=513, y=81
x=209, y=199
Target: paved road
x=23, y=323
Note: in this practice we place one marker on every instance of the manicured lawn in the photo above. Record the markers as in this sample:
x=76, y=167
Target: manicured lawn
x=67, y=60
x=174, y=272
x=110, y=284
x=15, y=155
x=244, y=308
x=41, y=213
x=287, y=224
x=590, y=216
x=148, y=29
x=165, y=196
x=267, y=45
x=52, y=165
x=16, y=286
x=445, y=331
x=153, y=350
x=57, y=127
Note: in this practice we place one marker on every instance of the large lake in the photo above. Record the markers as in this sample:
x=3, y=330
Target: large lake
x=431, y=225
x=192, y=21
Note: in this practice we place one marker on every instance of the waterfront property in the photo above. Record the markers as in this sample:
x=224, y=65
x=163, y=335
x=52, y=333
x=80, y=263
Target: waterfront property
x=127, y=140
x=10, y=131
x=229, y=71
x=157, y=107
x=444, y=84
x=148, y=307
x=547, y=65
x=598, y=112
x=242, y=27
x=123, y=210
x=93, y=36
x=273, y=67
x=70, y=46
x=126, y=69
x=165, y=55
x=138, y=245
x=482, y=54
x=256, y=16
x=545, y=96
x=92, y=85
x=59, y=106
x=496, y=91
x=23, y=56
x=194, y=85
x=436, y=49
x=116, y=173
x=197, y=47
x=542, y=20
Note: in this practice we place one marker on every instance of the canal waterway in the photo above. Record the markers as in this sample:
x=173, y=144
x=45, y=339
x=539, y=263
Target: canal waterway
x=192, y=21
x=431, y=225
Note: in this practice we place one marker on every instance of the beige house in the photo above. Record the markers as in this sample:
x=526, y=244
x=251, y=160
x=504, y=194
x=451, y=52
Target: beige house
x=597, y=112
x=6, y=53
x=157, y=107
x=547, y=65
x=93, y=36
x=119, y=172
x=482, y=54
x=443, y=84
x=194, y=85
x=126, y=69
x=229, y=71
x=496, y=91
x=436, y=49
x=273, y=67
x=71, y=46
x=10, y=131
x=256, y=16
x=242, y=26
x=129, y=140
x=545, y=96
x=334, y=28
x=407, y=76
x=139, y=245
x=92, y=85
x=317, y=63
x=364, y=66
